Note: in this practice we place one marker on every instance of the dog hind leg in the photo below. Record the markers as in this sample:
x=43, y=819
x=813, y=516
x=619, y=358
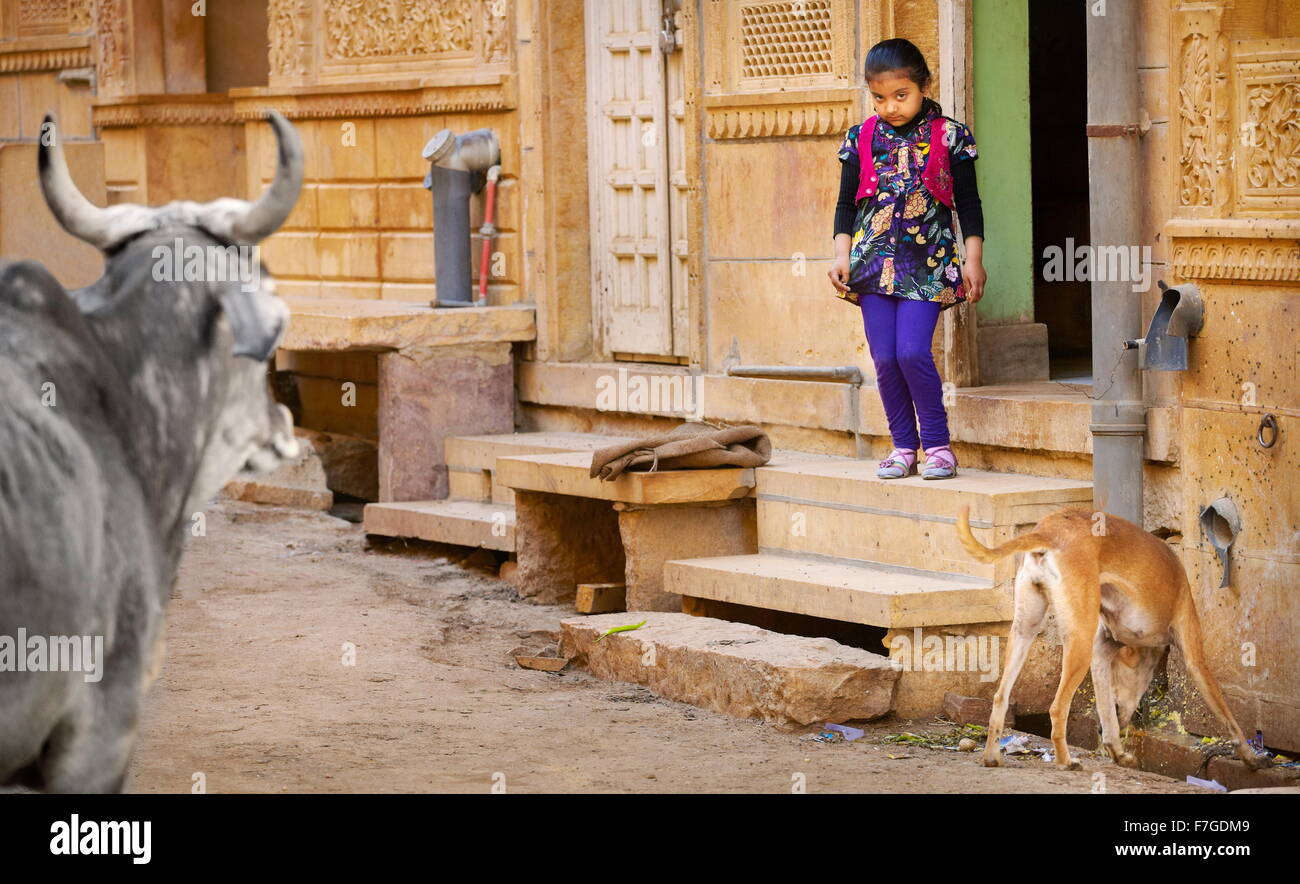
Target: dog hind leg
x=1076, y=599
x=1026, y=623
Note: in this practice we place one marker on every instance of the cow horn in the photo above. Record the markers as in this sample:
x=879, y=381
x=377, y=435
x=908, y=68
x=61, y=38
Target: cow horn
x=102, y=228
x=265, y=216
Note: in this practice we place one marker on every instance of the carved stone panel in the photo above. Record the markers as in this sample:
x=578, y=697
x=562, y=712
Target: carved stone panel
x=1202, y=124
x=1268, y=102
x=316, y=41
x=778, y=68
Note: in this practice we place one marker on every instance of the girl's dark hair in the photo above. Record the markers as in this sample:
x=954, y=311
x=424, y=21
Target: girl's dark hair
x=897, y=55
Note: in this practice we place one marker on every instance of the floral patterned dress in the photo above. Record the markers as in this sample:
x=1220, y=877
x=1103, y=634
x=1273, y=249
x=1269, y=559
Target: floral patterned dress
x=903, y=239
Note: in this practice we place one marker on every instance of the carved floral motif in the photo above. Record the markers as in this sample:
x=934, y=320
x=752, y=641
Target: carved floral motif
x=1273, y=121
x=1194, y=108
x=371, y=28
x=495, y=43
x=80, y=15
x=111, y=42
x=37, y=13
x=284, y=31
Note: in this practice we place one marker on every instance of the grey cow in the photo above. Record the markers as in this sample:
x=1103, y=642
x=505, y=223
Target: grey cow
x=124, y=407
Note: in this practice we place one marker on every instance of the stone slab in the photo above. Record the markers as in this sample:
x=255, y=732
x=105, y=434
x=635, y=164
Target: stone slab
x=481, y=452
x=855, y=592
x=568, y=473
x=462, y=522
x=299, y=483
x=786, y=680
x=361, y=324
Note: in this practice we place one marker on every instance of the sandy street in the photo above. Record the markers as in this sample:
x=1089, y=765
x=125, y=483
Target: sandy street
x=255, y=694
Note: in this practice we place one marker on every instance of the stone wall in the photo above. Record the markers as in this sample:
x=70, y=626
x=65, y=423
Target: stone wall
x=1234, y=229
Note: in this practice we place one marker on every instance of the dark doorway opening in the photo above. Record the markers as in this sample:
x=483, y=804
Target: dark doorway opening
x=1058, y=89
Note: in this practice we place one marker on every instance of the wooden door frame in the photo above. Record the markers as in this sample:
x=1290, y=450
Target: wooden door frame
x=957, y=95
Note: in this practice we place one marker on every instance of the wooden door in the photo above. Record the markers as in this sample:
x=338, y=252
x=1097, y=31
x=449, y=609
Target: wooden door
x=637, y=180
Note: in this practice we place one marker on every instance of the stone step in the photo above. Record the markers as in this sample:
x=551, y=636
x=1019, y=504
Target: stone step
x=840, y=589
x=471, y=460
x=569, y=473
x=841, y=509
x=786, y=680
x=462, y=522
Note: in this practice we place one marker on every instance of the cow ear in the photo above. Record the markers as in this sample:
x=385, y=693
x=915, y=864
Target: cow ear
x=257, y=322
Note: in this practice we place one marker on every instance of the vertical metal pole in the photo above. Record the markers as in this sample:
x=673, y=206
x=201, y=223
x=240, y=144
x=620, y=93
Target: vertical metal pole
x=451, y=247
x=1115, y=187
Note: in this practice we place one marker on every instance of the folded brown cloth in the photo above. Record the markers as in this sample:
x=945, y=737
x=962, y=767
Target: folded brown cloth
x=693, y=445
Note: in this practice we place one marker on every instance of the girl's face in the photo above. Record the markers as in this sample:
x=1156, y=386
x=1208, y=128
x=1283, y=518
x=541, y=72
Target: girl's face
x=896, y=97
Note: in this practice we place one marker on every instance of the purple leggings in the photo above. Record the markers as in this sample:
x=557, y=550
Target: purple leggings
x=899, y=332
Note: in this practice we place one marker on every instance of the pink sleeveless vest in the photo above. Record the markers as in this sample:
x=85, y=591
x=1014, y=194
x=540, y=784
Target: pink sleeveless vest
x=936, y=176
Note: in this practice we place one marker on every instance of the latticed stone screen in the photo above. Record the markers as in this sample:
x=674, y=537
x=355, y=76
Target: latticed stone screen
x=786, y=39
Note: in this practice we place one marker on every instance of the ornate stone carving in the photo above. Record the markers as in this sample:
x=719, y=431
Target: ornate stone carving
x=1252, y=260
x=42, y=16
x=1196, y=186
x=80, y=15
x=774, y=47
x=496, y=44
x=44, y=60
x=177, y=112
x=387, y=103
x=1272, y=154
x=786, y=39
x=384, y=28
x=285, y=31
x=774, y=122
x=111, y=43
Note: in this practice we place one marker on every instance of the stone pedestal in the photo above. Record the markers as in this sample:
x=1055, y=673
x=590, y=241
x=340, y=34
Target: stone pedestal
x=654, y=534
x=429, y=393
x=561, y=541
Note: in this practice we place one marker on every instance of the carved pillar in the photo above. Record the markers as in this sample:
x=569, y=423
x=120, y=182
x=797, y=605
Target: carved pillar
x=1201, y=123
x=146, y=47
x=290, y=43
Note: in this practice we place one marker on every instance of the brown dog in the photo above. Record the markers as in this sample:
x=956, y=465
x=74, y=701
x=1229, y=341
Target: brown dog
x=1121, y=597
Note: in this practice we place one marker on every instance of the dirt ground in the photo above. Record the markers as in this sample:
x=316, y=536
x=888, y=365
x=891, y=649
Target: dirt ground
x=255, y=694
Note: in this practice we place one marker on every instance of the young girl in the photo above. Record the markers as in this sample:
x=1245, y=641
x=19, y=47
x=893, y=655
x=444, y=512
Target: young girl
x=895, y=248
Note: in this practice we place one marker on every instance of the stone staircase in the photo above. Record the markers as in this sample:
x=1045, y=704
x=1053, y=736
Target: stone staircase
x=807, y=536
x=839, y=543
x=479, y=510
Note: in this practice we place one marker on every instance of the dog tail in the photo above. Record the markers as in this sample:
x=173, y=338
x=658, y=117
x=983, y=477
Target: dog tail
x=982, y=553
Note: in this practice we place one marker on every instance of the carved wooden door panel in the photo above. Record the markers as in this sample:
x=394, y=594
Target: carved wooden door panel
x=633, y=128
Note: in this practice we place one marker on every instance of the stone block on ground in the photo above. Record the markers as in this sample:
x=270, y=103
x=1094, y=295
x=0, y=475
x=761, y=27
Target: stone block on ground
x=967, y=710
x=788, y=681
x=653, y=535
x=561, y=541
x=299, y=483
x=351, y=464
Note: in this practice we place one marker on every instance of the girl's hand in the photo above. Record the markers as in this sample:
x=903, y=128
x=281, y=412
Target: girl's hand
x=839, y=273
x=973, y=278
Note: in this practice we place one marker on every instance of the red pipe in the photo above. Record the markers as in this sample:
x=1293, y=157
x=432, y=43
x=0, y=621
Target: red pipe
x=487, y=231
